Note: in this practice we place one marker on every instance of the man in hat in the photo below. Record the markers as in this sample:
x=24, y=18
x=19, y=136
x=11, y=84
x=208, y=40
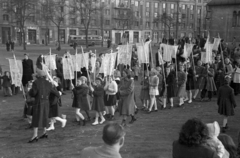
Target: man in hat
x=27, y=70
x=226, y=102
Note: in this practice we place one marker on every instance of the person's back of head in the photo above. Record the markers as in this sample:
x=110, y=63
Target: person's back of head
x=113, y=134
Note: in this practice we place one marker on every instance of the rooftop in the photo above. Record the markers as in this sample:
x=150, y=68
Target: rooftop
x=223, y=2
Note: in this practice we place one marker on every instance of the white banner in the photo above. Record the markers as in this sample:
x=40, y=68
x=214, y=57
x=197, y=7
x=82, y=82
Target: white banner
x=50, y=62
x=187, y=50
x=216, y=43
x=16, y=71
x=143, y=52
x=82, y=61
x=108, y=63
x=68, y=67
x=124, y=54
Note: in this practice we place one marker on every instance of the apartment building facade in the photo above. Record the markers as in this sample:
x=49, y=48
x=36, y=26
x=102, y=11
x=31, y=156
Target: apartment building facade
x=188, y=19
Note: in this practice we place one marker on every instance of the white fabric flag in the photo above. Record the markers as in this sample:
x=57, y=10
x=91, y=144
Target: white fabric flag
x=124, y=54
x=216, y=43
x=167, y=52
x=80, y=61
x=93, y=60
x=68, y=67
x=187, y=50
x=108, y=64
x=143, y=52
x=174, y=51
x=16, y=71
x=160, y=59
x=50, y=61
x=209, y=53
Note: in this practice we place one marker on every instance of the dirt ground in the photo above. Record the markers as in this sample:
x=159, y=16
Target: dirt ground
x=151, y=136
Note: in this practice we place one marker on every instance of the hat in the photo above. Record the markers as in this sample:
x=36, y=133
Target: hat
x=40, y=73
x=83, y=78
x=26, y=54
x=213, y=129
x=99, y=78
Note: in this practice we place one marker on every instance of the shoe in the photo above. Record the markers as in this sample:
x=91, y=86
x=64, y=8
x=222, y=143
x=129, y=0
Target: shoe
x=64, y=123
x=35, y=139
x=226, y=127
x=136, y=111
x=44, y=136
x=133, y=120
x=51, y=128
x=185, y=99
x=63, y=93
x=190, y=101
x=223, y=129
x=180, y=105
x=156, y=110
x=170, y=107
x=29, y=127
x=149, y=111
x=164, y=108
x=102, y=121
x=84, y=122
x=95, y=123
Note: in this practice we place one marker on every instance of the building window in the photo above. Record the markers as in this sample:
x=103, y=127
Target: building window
x=183, y=16
x=235, y=17
x=171, y=15
x=137, y=13
x=238, y=19
x=32, y=18
x=62, y=9
x=72, y=32
x=136, y=23
x=191, y=7
x=191, y=16
x=156, y=5
x=147, y=4
x=82, y=21
x=94, y=22
x=107, y=22
x=5, y=17
x=107, y=12
x=171, y=25
x=155, y=36
x=155, y=25
x=4, y=5
x=199, y=11
x=190, y=26
x=73, y=21
x=155, y=15
x=172, y=6
x=147, y=14
x=183, y=6
x=183, y=25
x=147, y=24
x=164, y=5
x=136, y=3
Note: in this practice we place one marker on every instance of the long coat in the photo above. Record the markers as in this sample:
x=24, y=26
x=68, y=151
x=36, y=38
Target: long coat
x=190, y=85
x=27, y=71
x=126, y=103
x=41, y=90
x=199, y=72
x=55, y=103
x=182, y=79
x=144, y=94
x=226, y=101
x=80, y=99
x=208, y=81
x=171, y=84
x=98, y=99
x=6, y=81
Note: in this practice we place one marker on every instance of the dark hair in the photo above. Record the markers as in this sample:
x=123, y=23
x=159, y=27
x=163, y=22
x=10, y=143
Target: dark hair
x=228, y=144
x=193, y=133
x=112, y=133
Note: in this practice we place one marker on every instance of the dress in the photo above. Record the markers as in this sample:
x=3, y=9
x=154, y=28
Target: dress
x=144, y=94
x=199, y=71
x=154, y=81
x=182, y=78
x=55, y=103
x=41, y=90
x=208, y=81
x=126, y=103
x=171, y=84
x=110, y=98
x=226, y=101
x=27, y=71
x=190, y=85
x=80, y=97
x=98, y=100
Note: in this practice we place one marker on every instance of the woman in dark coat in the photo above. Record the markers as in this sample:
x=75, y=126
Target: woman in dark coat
x=126, y=104
x=98, y=101
x=55, y=104
x=41, y=90
x=208, y=83
x=190, y=85
x=199, y=78
x=226, y=102
x=191, y=142
x=27, y=70
x=80, y=99
x=144, y=94
x=171, y=84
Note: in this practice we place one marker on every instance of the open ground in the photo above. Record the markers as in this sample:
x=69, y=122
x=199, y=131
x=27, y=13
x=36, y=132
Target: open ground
x=151, y=136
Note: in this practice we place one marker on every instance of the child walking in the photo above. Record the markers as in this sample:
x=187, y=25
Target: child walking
x=6, y=84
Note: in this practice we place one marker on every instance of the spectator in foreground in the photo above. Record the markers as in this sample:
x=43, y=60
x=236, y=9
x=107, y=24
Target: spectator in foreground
x=229, y=145
x=191, y=141
x=113, y=137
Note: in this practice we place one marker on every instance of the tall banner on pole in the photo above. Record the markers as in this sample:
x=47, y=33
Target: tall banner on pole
x=16, y=71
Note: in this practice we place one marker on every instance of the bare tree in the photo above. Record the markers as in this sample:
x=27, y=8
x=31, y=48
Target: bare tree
x=88, y=9
x=22, y=11
x=166, y=20
x=54, y=11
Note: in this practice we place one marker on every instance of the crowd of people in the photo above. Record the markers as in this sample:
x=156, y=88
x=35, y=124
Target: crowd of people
x=186, y=79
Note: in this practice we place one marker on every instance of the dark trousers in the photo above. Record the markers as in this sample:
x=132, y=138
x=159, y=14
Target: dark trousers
x=236, y=87
x=203, y=94
x=15, y=90
x=136, y=78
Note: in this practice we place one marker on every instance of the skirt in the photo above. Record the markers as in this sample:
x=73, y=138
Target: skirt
x=182, y=91
x=110, y=100
x=144, y=94
x=153, y=91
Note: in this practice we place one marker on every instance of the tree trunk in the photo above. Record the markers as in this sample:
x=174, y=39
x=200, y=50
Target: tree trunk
x=86, y=33
x=24, y=40
x=59, y=43
x=46, y=36
x=169, y=32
